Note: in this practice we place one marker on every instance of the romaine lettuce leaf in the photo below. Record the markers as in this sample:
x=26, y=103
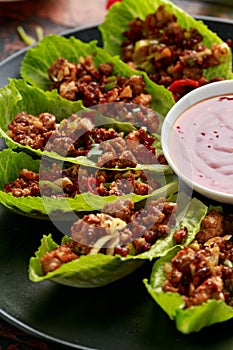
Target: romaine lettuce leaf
x=38, y=59
x=19, y=96
x=121, y=13
x=42, y=207
x=188, y=320
x=96, y=270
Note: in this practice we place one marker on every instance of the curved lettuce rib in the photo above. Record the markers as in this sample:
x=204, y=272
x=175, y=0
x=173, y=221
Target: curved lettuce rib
x=188, y=320
x=121, y=13
x=99, y=269
x=38, y=59
x=41, y=207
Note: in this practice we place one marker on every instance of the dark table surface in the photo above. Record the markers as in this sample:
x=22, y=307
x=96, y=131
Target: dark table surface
x=56, y=16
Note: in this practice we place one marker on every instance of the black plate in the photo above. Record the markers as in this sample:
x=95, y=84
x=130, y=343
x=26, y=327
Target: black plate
x=121, y=316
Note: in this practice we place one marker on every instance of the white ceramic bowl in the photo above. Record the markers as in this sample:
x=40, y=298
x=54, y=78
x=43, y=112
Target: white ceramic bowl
x=189, y=162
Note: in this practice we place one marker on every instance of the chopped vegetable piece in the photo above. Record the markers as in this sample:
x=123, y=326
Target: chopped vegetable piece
x=110, y=3
x=179, y=87
x=27, y=39
x=39, y=33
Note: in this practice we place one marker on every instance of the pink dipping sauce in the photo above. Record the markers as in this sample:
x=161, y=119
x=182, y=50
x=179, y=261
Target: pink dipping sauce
x=203, y=143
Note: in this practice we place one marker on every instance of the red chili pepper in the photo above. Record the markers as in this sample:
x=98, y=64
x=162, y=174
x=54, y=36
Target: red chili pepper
x=179, y=87
x=110, y=3
x=91, y=185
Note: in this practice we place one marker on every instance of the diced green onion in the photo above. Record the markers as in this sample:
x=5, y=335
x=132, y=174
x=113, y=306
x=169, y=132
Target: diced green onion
x=39, y=33
x=27, y=39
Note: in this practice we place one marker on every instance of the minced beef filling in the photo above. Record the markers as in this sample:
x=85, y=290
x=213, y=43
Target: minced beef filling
x=30, y=130
x=76, y=136
x=57, y=182
x=171, y=55
x=122, y=98
x=203, y=270
x=83, y=81
x=120, y=227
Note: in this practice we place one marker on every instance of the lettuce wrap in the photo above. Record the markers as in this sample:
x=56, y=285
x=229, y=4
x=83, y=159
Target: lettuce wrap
x=210, y=302
x=11, y=163
x=117, y=22
x=18, y=96
x=94, y=270
x=38, y=59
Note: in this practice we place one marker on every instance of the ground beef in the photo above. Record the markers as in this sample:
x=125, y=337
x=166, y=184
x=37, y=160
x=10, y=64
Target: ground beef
x=95, y=86
x=138, y=113
x=119, y=229
x=214, y=224
x=78, y=135
x=27, y=184
x=82, y=81
x=142, y=227
x=177, y=58
x=180, y=234
x=136, y=147
x=201, y=271
x=54, y=259
x=69, y=182
x=33, y=131
x=120, y=209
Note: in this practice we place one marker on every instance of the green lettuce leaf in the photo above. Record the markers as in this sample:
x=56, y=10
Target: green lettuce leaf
x=41, y=207
x=99, y=269
x=19, y=96
x=188, y=320
x=38, y=59
x=121, y=13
